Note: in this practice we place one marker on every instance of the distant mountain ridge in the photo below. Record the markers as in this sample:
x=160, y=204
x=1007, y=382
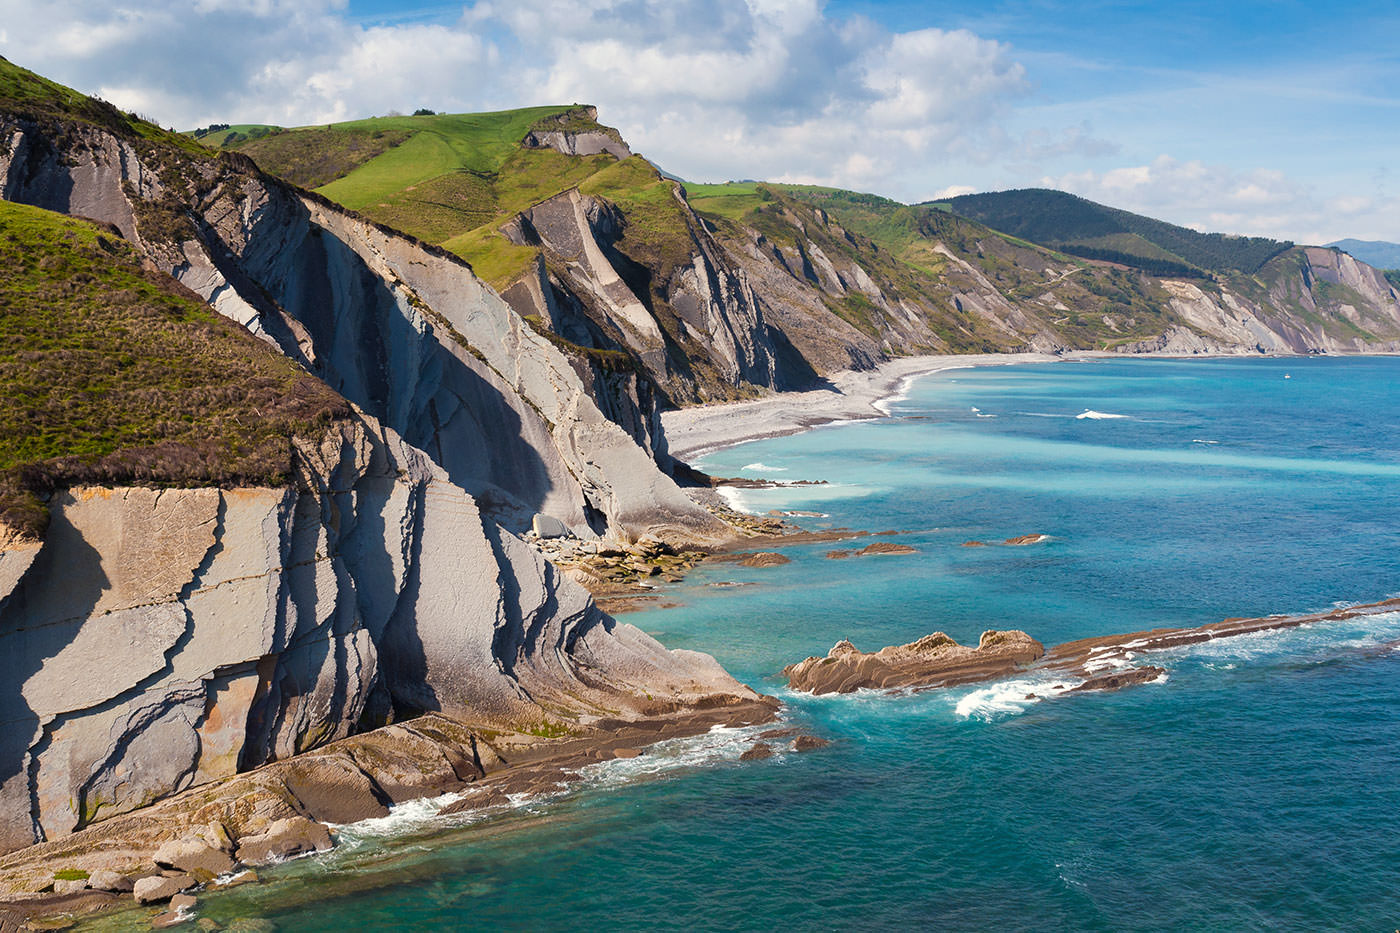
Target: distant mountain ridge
x=1378, y=253
x=1081, y=227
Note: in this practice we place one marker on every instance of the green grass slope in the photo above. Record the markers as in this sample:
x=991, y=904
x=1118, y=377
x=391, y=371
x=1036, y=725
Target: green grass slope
x=29, y=96
x=113, y=374
x=448, y=179
x=1075, y=225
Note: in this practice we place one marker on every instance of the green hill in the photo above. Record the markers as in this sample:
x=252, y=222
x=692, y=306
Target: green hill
x=448, y=179
x=111, y=373
x=1084, y=228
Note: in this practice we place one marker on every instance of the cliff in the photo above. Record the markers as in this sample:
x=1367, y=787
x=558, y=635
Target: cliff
x=263, y=458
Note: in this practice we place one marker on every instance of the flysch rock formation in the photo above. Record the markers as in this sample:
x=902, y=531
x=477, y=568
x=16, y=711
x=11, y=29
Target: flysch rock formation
x=406, y=332
x=719, y=339
x=1107, y=662
x=163, y=639
x=933, y=661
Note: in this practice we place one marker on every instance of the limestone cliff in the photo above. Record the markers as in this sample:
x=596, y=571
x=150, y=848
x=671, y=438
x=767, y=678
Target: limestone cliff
x=160, y=639
x=407, y=332
x=691, y=319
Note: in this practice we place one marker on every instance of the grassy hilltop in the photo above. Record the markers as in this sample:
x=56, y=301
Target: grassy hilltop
x=448, y=179
x=110, y=373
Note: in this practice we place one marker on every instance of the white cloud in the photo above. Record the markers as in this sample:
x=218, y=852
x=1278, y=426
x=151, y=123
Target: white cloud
x=1216, y=198
x=711, y=89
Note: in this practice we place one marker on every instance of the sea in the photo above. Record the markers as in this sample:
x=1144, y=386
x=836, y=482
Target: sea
x=1255, y=787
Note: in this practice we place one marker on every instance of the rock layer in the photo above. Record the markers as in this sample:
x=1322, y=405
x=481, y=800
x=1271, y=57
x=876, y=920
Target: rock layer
x=240, y=626
x=933, y=661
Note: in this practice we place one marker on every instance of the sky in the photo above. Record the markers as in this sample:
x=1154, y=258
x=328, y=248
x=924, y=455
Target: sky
x=1259, y=117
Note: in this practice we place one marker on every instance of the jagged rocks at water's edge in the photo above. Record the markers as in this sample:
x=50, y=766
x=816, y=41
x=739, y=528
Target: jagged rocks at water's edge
x=934, y=660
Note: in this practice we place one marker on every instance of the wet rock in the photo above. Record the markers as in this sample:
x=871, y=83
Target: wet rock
x=1119, y=679
x=283, y=839
x=974, y=544
x=886, y=547
x=183, y=902
x=808, y=743
x=758, y=752
x=1023, y=540
x=478, y=798
x=839, y=554
x=160, y=888
x=764, y=559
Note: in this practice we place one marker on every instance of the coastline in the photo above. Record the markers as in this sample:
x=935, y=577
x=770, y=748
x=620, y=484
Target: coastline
x=850, y=395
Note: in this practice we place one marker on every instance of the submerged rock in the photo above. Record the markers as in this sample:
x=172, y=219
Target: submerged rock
x=764, y=559
x=757, y=752
x=886, y=547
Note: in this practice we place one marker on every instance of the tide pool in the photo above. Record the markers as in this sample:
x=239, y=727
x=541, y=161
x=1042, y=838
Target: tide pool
x=1258, y=787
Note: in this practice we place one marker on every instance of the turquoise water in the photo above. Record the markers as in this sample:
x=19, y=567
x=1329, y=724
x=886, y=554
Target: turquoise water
x=1258, y=787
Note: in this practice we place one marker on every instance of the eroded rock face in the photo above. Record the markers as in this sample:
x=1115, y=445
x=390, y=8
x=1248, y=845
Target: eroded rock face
x=161, y=639
x=933, y=661
x=405, y=331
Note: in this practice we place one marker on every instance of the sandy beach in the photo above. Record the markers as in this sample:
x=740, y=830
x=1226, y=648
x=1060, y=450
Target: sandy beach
x=852, y=395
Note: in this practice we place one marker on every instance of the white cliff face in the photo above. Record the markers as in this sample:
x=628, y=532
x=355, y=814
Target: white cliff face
x=160, y=639
x=405, y=332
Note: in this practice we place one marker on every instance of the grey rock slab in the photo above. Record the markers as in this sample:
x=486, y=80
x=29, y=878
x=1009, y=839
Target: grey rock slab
x=160, y=888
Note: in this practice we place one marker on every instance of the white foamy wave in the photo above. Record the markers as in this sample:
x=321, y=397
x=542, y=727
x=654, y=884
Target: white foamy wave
x=1008, y=698
x=900, y=394
x=1092, y=415
x=763, y=467
x=1197, y=440
x=402, y=818
x=1315, y=640
x=721, y=743
x=734, y=498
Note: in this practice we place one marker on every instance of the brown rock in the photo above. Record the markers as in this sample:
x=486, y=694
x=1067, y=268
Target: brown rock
x=626, y=752
x=1119, y=679
x=764, y=559
x=333, y=789
x=933, y=661
x=1022, y=540
x=758, y=752
x=183, y=902
x=70, y=886
x=974, y=544
x=283, y=839
x=193, y=856
x=887, y=547
x=808, y=743
x=159, y=888
x=838, y=555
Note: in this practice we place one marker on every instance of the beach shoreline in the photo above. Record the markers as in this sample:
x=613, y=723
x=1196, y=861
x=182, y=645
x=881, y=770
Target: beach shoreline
x=850, y=395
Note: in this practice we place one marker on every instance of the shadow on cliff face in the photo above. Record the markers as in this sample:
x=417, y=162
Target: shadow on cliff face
x=40, y=618
x=368, y=345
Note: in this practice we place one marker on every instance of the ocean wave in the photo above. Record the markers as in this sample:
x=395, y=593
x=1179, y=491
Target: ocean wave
x=1008, y=697
x=734, y=498
x=1197, y=440
x=1092, y=415
x=763, y=467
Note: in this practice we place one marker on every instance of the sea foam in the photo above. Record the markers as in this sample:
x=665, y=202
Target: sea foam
x=1092, y=415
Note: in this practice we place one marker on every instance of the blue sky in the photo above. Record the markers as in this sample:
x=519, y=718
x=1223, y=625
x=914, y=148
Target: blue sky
x=1278, y=118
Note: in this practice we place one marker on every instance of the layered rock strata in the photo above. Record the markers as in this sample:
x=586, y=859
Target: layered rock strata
x=162, y=639
x=933, y=661
x=405, y=331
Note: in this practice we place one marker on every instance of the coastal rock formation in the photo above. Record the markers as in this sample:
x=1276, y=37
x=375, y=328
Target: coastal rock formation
x=933, y=661
x=405, y=331
x=242, y=626
x=1108, y=662
x=712, y=336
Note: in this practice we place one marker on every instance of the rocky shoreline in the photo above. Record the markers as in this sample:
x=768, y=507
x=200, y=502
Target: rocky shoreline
x=215, y=835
